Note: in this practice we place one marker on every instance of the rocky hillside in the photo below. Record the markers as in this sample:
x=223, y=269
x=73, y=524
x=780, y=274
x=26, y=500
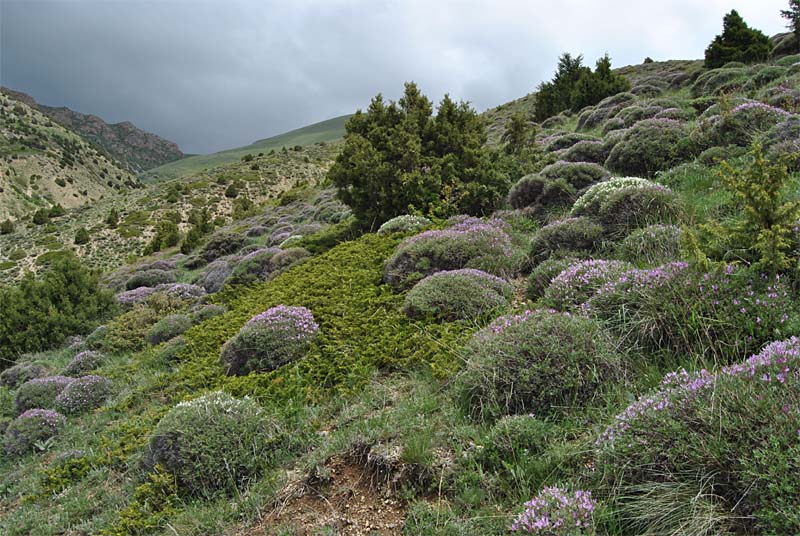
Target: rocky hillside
x=42, y=164
x=136, y=149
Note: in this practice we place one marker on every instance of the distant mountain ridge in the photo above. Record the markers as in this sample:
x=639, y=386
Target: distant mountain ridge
x=125, y=142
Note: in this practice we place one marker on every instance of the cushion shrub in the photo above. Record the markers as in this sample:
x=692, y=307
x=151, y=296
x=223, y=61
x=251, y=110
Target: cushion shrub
x=458, y=294
x=214, y=444
x=149, y=278
x=207, y=311
x=732, y=432
x=222, y=244
x=287, y=258
x=718, y=81
x=718, y=315
x=560, y=142
x=167, y=328
x=593, y=151
x=216, y=273
x=607, y=108
x=626, y=209
x=579, y=175
x=650, y=146
x=255, y=266
x=465, y=245
x=84, y=362
x=654, y=245
x=404, y=224
x=277, y=336
x=127, y=332
x=570, y=235
x=30, y=428
x=557, y=512
x=537, y=194
x=20, y=373
x=579, y=281
x=541, y=276
x=590, y=203
x=739, y=126
x=540, y=362
x=83, y=394
x=40, y=392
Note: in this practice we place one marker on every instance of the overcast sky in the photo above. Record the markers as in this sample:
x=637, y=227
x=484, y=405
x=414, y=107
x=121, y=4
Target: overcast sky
x=217, y=74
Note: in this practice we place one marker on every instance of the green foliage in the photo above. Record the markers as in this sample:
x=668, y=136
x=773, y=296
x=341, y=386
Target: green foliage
x=112, y=220
x=458, y=295
x=168, y=328
x=7, y=227
x=41, y=216
x=542, y=362
x=127, y=332
x=652, y=245
x=575, y=86
x=38, y=314
x=149, y=278
x=18, y=374
x=214, y=443
x=83, y=394
x=153, y=503
x=167, y=235
x=222, y=244
x=82, y=236
x=738, y=42
x=56, y=211
x=232, y=191
x=564, y=237
x=541, y=276
x=399, y=159
x=650, y=146
x=65, y=471
x=763, y=231
x=40, y=393
x=520, y=134
x=793, y=16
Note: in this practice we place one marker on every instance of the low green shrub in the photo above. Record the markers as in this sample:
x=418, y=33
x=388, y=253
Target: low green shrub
x=149, y=278
x=40, y=393
x=579, y=175
x=18, y=374
x=653, y=245
x=222, y=244
x=650, y=146
x=472, y=244
x=540, y=362
x=83, y=394
x=127, y=332
x=626, y=209
x=458, y=294
x=206, y=312
x=586, y=151
x=270, y=340
x=739, y=126
x=30, y=429
x=731, y=436
x=214, y=444
x=562, y=237
x=83, y=363
x=168, y=328
x=544, y=272
x=255, y=266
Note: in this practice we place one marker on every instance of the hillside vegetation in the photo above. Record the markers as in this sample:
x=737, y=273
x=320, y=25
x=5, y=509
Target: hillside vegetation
x=134, y=148
x=42, y=164
x=324, y=131
x=610, y=347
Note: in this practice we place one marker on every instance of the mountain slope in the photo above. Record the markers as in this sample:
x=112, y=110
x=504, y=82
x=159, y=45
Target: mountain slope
x=324, y=131
x=43, y=164
x=135, y=148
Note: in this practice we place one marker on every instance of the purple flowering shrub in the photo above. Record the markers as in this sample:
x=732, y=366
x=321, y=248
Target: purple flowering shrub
x=562, y=237
x=40, y=392
x=84, y=362
x=556, y=512
x=270, y=340
x=579, y=281
x=30, y=428
x=784, y=96
x=216, y=273
x=465, y=245
x=653, y=245
x=719, y=315
x=458, y=294
x=543, y=362
x=737, y=430
x=168, y=328
x=717, y=81
x=20, y=373
x=541, y=276
x=650, y=146
x=214, y=443
x=83, y=394
x=255, y=266
x=607, y=108
x=739, y=126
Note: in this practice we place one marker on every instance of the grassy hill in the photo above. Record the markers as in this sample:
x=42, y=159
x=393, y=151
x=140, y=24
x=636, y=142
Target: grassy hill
x=43, y=164
x=325, y=131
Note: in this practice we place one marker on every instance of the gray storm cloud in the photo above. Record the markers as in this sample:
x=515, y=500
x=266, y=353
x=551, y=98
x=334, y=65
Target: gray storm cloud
x=211, y=75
